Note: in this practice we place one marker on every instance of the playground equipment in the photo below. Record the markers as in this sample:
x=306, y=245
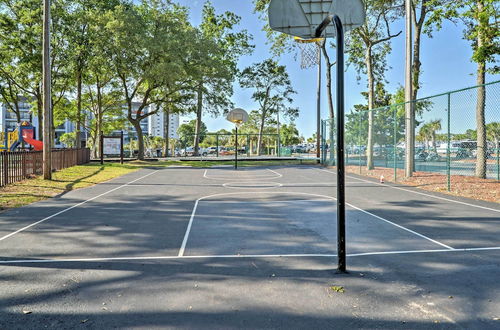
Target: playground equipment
x=24, y=133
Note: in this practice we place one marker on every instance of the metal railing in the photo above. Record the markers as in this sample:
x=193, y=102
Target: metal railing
x=446, y=136
x=219, y=145
x=19, y=165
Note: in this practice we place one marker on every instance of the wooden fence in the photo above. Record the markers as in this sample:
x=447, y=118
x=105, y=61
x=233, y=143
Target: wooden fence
x=19, y=165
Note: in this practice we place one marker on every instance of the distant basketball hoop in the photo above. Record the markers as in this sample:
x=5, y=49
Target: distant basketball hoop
x=237, y=116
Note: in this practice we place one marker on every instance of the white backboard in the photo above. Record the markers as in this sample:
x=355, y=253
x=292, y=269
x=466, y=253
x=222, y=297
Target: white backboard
x=300, y=18
x=237, y=116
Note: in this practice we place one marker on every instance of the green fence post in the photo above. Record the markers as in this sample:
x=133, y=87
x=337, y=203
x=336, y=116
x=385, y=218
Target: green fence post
x=395, y=139
x=498, y=161
x=448, y=151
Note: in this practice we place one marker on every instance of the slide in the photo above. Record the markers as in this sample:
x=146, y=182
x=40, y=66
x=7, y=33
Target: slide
x=28, y=137
x=38, y=145
x=14, y=145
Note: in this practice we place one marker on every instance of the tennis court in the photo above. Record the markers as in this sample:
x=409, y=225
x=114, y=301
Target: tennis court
x=253, y=248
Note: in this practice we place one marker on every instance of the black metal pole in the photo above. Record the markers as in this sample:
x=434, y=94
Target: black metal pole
x=341, y=241
x=236, y=150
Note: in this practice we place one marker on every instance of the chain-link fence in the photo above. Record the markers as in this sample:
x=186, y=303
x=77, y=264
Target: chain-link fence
x=449, y=141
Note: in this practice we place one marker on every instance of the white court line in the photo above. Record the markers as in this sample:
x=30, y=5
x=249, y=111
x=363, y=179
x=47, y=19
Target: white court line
x=316, y=184
x=242, y=256
x=279, y=174
x=254, y=185
x=72, y=207
x=416, y=192
x=249, y=178
x=188, y=230
x=401, y=227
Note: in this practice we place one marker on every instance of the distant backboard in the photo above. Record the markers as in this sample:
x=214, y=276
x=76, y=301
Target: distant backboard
x=237, y=116
x=300, y=18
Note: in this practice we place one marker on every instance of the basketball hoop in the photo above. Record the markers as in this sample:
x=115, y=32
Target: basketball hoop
x=237, y=116
x=310, y=51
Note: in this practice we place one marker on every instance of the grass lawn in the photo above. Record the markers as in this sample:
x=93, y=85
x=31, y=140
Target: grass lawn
x=33, y=190
x=36, y=189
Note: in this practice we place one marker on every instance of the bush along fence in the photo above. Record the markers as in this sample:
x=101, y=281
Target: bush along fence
x=457, y=134
x=20, y=165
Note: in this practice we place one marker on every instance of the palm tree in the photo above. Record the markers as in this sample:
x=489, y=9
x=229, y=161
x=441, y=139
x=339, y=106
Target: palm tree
x=424, y=134
x=434, y=126
x=493, y=134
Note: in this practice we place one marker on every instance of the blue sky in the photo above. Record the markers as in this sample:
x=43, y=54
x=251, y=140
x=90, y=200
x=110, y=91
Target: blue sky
x=445, y=58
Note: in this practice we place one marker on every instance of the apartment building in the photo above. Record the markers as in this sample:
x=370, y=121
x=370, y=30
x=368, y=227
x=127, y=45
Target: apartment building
x=8, y=119
x=156, y=125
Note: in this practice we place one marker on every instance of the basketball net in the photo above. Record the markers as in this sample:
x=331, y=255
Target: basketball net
x=310, y=51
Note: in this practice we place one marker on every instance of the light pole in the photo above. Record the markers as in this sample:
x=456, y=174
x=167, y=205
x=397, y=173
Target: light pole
x=47, y=106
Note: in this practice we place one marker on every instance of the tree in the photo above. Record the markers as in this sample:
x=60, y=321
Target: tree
x=312, y=139
x=368, y=48
x=482, y=29
x=428, y=132
x=289, y=134
x=21, y=53
x=384, y=124
x=493, y=134
x=485, y=38
x=68, y=139
x=84, y=33
x=272, y=91
x=214, y=58
x=145, y=48
x=284, y=44
x=187, y=131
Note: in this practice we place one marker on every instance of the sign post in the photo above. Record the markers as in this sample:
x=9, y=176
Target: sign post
x=111, y=145
x=237, y=116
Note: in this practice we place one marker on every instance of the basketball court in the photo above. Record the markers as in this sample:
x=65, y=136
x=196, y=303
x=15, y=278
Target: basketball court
x=219, y=248
x=255, y=247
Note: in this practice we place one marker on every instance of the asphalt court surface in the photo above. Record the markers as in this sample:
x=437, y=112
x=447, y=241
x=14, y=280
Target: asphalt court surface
x=168, y=232
x=252, y=211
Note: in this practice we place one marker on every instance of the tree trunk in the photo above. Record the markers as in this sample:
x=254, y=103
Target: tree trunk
x=417, y=35
x=328, y=82
x=481, y=100
x=140, y=138
x=330, y=100
x=481, y=122
x=261, y=131
x=198, y=121
x=409, y=109
x=166, y=130
x=78, y=108
x=371, y=102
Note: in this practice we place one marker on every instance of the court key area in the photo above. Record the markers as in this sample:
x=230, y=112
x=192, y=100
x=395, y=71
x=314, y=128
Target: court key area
x=253, y=248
